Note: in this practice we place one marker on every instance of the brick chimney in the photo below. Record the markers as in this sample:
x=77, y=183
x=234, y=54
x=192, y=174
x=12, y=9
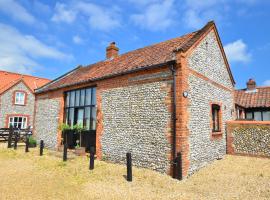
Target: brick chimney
x=112, y=51
x=251, y=84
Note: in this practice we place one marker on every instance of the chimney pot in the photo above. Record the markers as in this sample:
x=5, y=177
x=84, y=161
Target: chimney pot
x=251, y=84
x=112, y=51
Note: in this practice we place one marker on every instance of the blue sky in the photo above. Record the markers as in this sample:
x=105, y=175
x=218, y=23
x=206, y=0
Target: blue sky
x=49, y=38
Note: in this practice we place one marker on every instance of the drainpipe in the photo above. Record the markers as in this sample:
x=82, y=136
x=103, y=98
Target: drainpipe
x=172, y=68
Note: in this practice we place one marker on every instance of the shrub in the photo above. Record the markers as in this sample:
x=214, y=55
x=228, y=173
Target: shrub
x=32, y=141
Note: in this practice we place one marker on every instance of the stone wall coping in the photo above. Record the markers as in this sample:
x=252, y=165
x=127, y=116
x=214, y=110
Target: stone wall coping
x=249, y=122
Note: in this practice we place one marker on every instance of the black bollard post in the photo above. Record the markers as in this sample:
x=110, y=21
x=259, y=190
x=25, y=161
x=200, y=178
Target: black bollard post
x=16, y=140
x=41, y=146
x=10, y=136
x=65, y=153
x=179, y=166
x=129, y=167
x=27, y=144
x=92, y=158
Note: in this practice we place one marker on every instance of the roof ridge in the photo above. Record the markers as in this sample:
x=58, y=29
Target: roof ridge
x=22, y=75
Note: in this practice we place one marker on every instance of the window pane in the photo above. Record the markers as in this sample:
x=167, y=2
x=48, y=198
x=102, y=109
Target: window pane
x=215, y=117
x=77, y=98
x=258, y=116
x=67, y=99
x=82, y=98
x=94, y=96
x=72, y=98
x=80, y=116
x=266, y=116
x=71, y=117
x=24, y=123
x=87, y=118
x=66, y=116
x=88, y=96
x=249, y=115
x=93, y=118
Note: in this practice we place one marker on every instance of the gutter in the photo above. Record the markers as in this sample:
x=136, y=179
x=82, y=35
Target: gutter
x=174, y=152
x=38, y=91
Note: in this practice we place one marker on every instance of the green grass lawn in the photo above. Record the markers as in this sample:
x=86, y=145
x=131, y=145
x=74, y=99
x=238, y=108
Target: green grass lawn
x=29, y=176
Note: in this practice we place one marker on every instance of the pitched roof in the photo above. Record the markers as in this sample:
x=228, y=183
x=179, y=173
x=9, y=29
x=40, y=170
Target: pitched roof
x=9, y=79
x=259, y=98
x=150, y=56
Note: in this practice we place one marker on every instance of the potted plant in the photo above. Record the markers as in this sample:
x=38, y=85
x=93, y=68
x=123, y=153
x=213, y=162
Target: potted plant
x=79, y=150
x=32, y=142
x=65, y=128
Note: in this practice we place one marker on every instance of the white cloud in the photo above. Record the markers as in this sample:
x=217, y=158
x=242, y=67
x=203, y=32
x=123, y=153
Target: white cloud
x=237, y=51
x=77, y=39
x=16, y=11
x=63, y=14
x=197, y=13
x=98, y=17
x=156, y=16
x=19, y=52
x=266, y=83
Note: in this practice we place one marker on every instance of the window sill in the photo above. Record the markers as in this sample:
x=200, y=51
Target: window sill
x=17, y=104
x=216, y=135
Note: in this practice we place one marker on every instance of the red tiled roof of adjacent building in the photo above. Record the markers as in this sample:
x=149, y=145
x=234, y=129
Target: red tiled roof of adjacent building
x=259, y=98
x=9, y=79
x=139, y=59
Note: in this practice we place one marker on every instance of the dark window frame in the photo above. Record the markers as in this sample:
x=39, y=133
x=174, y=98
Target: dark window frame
x=78, y=106
x=252, y=111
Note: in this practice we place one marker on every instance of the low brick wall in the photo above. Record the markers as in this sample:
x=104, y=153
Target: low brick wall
x=248, y=138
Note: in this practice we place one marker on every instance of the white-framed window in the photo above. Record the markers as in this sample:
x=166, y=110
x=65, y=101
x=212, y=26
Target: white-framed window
x=20, y=98
x=18, y=122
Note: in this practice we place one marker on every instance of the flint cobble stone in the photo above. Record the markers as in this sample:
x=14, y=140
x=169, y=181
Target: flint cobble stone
x=7, y=107
x=135, y=120
x=253, y=140
x=47, y=121
x=207, y=60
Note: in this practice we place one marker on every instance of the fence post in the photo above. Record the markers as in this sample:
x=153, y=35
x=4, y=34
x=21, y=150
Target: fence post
x=27, y=144
x=92, y=158
x=129, y=167
x=65, y=152
x=179, y=166
x=16, y=140
x=10, y=136
x=41, y=146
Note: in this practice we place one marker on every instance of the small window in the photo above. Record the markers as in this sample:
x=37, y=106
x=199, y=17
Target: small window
x=258, y=116
x=18, y=122
x=20, y=98
x=249, y=115
x=216, y=117
x=266, y=116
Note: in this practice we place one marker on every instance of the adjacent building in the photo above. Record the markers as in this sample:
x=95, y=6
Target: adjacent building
x=17, y=99
x=253, y=102
x=155, y=102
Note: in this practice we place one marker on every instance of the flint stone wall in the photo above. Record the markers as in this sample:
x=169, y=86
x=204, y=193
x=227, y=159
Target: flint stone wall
x=7, y=105
x=136, y=119
x=249, y=138
x=47, y=121
x=207, y=60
